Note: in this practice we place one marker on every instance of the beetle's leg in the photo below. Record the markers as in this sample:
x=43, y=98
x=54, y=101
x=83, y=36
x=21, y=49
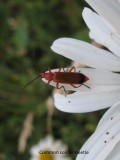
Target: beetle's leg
x=75, y=86
x=86, y=85
x=60, y=87
x=72, y=68
x=63, y=69
x=79, y=86
x=48, y=82
x=59, y=69
x=49, y=70
x=66, y=70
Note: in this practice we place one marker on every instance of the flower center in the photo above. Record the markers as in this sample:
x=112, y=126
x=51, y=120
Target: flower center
x=46, y=155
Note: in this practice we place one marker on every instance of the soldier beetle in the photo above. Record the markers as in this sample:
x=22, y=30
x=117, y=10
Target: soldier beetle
x=70, y=76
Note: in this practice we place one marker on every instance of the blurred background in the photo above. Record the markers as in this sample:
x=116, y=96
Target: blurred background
x=27, y=30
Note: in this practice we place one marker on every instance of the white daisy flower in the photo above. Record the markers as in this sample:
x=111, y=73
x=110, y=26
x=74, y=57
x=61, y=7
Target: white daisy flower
x=49, y=149
x=104, y=144
x=104, y=83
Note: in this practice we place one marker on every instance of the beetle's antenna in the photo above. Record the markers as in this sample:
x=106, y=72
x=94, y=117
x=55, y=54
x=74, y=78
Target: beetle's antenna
x=30, y=83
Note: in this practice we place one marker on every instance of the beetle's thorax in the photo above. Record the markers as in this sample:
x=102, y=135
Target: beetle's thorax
x=48, y=76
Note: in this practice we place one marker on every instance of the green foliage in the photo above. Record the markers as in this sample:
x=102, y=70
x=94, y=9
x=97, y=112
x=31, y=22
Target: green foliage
x=27, y=30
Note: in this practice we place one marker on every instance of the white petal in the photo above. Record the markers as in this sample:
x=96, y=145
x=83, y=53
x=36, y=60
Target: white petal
x=86, y=54
x=95, y=37
x=34, y=151
x=86, y=101
x=103, y=32
x=99, y=79
x=108, y=9
x=103, y=141
x=110, y=114
x=115, y=153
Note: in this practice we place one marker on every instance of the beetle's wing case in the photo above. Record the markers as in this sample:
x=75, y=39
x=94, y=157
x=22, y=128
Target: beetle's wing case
x=69, y=77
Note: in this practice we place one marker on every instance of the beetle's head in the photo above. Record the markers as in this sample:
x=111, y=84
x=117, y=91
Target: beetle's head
x=42, y=75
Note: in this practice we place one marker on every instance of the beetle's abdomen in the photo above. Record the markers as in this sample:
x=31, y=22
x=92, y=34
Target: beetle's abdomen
x=69, y=77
